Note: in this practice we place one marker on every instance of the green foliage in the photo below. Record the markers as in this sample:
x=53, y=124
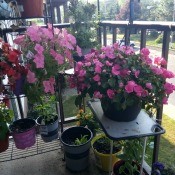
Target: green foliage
x=87, y=119
x=84, y=23
x=102, y=145
x=6, y=116
x=132, y=155
x=46, y=109
x=81, y=140
x=154, y=34
x=159, y=39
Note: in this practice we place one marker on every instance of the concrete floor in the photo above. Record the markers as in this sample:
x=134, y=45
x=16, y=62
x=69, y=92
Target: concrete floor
x=38, y=163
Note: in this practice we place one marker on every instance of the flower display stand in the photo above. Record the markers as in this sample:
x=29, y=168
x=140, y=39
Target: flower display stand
x=142, y=126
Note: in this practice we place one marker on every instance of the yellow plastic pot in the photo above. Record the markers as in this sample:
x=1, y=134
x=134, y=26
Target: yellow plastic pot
x=103, y=160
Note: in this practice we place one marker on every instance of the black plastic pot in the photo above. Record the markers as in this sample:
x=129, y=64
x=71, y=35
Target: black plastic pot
x=76, y=156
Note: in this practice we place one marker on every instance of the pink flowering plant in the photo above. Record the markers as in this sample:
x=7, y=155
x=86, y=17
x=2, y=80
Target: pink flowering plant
x=118, y=75
x=46, y=51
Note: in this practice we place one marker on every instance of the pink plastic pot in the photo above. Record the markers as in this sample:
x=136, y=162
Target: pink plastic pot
x=24, y=133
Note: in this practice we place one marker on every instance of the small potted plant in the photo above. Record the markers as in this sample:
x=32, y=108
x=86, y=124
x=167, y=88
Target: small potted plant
x=87, y=119
x=6, y=116
x=76, y=143
x=124, y=81
x=130, y=158
x=101, y=148
x=48, y=118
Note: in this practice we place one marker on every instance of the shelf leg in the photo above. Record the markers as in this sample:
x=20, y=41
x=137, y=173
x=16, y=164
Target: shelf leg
x=143, y=155
x=110, y=161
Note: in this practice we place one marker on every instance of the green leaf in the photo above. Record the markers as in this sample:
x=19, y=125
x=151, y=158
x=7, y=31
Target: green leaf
x=78, y=100
x=112, y=82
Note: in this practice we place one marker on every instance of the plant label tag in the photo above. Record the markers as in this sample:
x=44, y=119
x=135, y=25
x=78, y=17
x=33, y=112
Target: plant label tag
x=43, y=130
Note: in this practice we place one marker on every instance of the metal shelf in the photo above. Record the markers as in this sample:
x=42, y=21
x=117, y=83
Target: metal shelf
x=40, y=147
x=142, y=126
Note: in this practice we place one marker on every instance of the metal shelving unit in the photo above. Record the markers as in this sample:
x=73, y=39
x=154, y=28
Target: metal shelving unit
x=143, y=126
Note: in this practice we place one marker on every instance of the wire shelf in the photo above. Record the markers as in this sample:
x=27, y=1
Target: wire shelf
x=40, y=147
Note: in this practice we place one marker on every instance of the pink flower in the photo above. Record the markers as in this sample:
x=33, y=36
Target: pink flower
x=97, y=94
x=160, y=61
x=136, y=73
x=116, y=69
x=39, y=61
x=149, y=85
x=157, y=70
x=49, y=85
x=167, y=74
x=79, y=51
x=82, y=73
x=78, y=66
x=31, y=78
x=169, y=88
x=39, y=49
x=165, y=100
x=59, y=58
x=96, y=78
x=139, y=90
x=88, y=64
x=145, y=51
x=108, y=63
x=19, y=39
x=130, y=86
x=98, y=69
x=110, y=93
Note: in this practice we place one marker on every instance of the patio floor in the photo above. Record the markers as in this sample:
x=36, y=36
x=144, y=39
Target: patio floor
x=40, y=159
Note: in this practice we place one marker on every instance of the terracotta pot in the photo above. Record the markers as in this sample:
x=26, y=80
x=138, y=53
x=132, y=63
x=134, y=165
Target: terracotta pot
x=118, y=164
x=32, y=8
x=4, y=144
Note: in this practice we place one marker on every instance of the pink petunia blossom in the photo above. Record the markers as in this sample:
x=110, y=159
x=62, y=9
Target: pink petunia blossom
x=157, y=70
x=98, y=69
x=167, y=74
x=145, y=51
x=169, y=88
x=79, y=51
x=82, y=73
x=111, y=93
x=149, y=85
x=39, y=61
x=130, y=86
x=108, y=63
x=49, y=85
x=31, y=78
x=96, y=78
x=116, y=69
x=39, y=49
x=97, y=94
x=136, y=73
x=165, y=100
x=59, y=58
x=139, y=90
x=160, y=61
